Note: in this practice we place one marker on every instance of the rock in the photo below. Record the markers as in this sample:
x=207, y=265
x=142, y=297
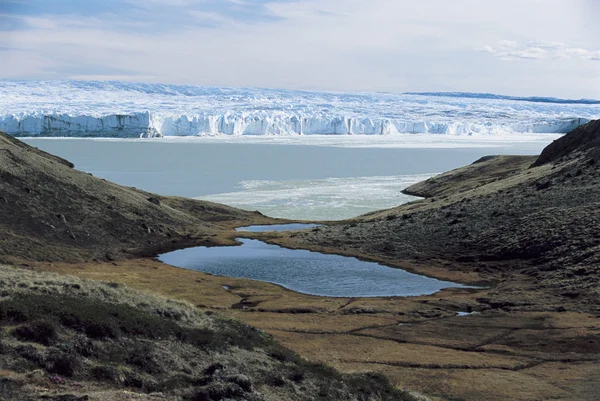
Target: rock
x=154, y=200
x=214, y=368
x=62, y=218
x=147, y=228
x=241, y=380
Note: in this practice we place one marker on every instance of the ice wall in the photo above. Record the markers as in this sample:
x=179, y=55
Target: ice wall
x=121, y=109
x=148, y=125
x=125, y=126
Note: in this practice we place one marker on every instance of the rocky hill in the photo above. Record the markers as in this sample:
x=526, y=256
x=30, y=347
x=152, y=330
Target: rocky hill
x=583, y=141
x=499, y=217
x=50, y=211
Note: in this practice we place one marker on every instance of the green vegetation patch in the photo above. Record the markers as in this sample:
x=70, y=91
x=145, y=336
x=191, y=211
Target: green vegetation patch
x=75, y=338
x=39, y=331
x=102, y=320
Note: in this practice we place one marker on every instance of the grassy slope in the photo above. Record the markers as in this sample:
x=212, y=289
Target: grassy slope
x=50, y=211
x=66, y=338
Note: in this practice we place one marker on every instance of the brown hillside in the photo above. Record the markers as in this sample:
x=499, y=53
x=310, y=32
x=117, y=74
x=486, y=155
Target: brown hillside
x=50, y=211
x=581, y=140
x=497, y=217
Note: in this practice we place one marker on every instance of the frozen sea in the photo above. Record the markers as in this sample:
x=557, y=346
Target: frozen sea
x=304, y=177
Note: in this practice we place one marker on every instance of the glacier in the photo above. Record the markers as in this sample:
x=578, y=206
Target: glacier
x=134, y=110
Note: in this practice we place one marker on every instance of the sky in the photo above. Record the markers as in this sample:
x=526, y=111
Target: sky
x=512, y=47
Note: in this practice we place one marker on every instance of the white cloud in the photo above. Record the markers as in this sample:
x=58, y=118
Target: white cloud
x=487, y=49
x=535, y=50
x=355, y=45
x=508, y=44
x=204, y=17
x=545, y=44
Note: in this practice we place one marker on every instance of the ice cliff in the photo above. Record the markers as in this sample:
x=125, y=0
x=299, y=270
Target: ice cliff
x=117, y=109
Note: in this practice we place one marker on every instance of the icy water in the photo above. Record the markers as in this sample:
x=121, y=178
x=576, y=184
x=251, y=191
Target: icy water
x=304, y=271
x=313, y=178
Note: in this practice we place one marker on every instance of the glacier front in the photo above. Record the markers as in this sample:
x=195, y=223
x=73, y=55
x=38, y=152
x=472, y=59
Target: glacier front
x=128, y=110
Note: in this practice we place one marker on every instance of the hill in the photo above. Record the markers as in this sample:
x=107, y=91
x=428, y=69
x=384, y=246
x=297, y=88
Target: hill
x=51, y=211
x=500, y=217
x=67, y=339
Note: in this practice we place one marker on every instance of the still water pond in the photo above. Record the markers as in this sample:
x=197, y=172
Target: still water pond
x=304, y=271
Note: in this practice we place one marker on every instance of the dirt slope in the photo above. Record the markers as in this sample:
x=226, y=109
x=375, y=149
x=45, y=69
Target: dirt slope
x=482, y=172
x=50, y=211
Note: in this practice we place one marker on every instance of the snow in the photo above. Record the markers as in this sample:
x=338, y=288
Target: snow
x=130, y=110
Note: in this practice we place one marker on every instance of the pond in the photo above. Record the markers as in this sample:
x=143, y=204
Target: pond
x=305, y=271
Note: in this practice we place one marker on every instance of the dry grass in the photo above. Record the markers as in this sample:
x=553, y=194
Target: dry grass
x=82, y=337
x=15, y=280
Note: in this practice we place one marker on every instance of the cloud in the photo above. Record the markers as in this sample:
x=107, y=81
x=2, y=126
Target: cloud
x=487, y=49
x=508, y=44
x=536, y=50
x=347, y=45
x=545, y=44
x=582, y=53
